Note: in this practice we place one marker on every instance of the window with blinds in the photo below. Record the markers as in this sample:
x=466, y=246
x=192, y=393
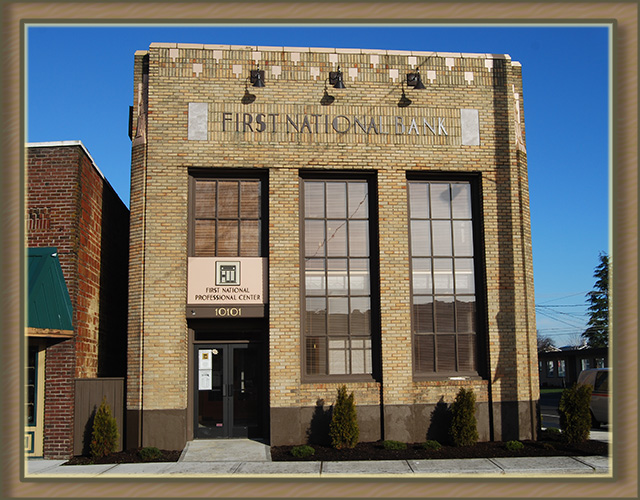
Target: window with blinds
x=442, y=278
x=337, y=277
x=227, y=218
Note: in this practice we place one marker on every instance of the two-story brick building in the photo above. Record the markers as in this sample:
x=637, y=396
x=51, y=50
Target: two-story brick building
x=303, y=218
x=77, y=239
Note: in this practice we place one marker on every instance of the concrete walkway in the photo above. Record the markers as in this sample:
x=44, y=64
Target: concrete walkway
x=244, y=457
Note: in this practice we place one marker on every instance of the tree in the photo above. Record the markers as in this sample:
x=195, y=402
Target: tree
x=344, y=430
x=545, y=343
x=104, y=439
x=575, y=413
x=464, y=425
x=597, y=332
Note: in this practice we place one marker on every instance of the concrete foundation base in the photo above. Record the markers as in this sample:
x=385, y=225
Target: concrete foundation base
x=515, y=420
x=164, y=429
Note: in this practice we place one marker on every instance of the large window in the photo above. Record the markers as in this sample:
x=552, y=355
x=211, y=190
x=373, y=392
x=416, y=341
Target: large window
x=227, y=214
x=337, y=277
x=443, y=278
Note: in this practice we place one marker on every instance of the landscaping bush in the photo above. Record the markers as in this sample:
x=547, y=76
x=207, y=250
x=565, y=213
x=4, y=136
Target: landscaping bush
x=343, y=429
x=302, y=451
x=431, y=445
x=575, y=414
x=150, y=453
x=464, y=427
x=104, y=438
x=394, y=445
x=514, y=446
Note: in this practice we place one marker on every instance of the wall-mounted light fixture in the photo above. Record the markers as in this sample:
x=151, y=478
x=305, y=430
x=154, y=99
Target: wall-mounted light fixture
x=257, y=77
x=335, y=79
x=415, y=80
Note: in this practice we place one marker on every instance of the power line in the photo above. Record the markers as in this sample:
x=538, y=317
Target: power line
x=559, y=305
x=567, y=296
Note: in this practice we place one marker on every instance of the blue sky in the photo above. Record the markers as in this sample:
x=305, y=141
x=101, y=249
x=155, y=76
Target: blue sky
x=79, y=84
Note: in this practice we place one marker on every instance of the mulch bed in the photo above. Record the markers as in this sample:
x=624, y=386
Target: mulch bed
x=126, y=457
x=548, y=445
x=375, y=451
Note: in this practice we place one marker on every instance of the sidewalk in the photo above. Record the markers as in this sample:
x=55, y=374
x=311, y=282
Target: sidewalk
x=243, y=458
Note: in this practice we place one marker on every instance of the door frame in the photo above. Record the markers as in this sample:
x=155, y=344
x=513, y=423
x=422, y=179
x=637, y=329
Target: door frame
x=34, y=432
x=228, y=429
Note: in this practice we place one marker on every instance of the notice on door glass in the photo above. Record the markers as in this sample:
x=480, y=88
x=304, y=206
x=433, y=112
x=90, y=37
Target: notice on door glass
x=204, y=380
x=205, y=359
x=205, y=367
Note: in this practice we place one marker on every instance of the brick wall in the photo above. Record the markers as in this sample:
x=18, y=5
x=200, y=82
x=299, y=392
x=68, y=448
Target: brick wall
x=70, y=206
x=59, y=400
x=287, y=127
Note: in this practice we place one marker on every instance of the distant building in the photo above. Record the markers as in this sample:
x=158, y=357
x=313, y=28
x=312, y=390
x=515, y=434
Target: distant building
x=560, y=367
x=77, y=238
x=303, y=218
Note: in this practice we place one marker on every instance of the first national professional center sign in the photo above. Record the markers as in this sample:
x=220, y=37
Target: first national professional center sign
x=228, y=287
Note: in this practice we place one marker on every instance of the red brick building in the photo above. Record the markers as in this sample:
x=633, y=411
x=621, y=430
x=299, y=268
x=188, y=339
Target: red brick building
x=72, y=209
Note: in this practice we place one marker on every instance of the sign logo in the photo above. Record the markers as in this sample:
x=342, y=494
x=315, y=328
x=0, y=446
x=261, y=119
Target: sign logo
x=227, y=273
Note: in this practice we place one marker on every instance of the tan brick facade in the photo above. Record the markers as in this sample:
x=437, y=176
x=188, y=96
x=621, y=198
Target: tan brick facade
x=288, y=128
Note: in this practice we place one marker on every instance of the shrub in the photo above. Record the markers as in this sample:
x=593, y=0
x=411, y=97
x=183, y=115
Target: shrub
x=104, y=438
x=150, y=453
x=302, y=451
x=431, y=445
x=514, y=446
x=575, y=413
x=394, y=445
x=464, y=427
x=343, y=429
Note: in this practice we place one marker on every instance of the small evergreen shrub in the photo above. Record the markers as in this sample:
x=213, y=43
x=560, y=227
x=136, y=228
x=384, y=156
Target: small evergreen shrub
x=394, y=445
x=431, y=445
x=104, y=438
x=464, y=426
x=575, y=413
x=343, y=429
x=150, y=453
x=302, y=451
x=514, y=446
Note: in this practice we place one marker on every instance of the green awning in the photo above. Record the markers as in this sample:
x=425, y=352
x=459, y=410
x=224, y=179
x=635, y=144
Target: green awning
x=48, y=302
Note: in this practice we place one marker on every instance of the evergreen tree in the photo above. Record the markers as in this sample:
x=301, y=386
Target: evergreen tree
x=575, y=413
x=464, y=425
x=344, y=430
x=104, y=439
x=597, y=332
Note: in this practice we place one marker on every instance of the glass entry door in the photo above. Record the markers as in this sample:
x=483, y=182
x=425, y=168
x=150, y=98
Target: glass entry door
x=228, y=397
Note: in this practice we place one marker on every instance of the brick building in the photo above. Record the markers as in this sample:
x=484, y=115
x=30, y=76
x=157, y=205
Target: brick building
x=303, y=218
x=74, y=216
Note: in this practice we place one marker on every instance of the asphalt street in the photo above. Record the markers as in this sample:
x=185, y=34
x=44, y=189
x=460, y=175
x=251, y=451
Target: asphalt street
x=549, y=410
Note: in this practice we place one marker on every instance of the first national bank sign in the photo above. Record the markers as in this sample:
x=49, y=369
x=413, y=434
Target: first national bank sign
x=429, y=126
x=226, y=287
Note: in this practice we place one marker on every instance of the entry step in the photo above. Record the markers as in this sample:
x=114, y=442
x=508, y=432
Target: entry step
x=225, y=450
